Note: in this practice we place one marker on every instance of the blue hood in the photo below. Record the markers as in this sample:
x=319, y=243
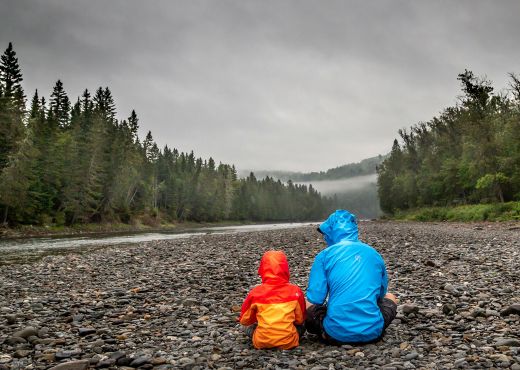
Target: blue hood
x=341, y=225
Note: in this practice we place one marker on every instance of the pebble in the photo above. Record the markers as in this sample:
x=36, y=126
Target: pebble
x=26, y=332
x=514, y=309
x=173, y=304
x=72, y=365
x=510, y=342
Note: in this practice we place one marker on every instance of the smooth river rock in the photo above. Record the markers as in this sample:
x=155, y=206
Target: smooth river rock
x=174, y=304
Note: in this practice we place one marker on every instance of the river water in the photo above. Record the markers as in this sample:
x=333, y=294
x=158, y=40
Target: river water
x=21, y=250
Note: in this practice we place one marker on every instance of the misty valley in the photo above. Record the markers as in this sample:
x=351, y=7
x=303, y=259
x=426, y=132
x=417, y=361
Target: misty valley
x=358, y=194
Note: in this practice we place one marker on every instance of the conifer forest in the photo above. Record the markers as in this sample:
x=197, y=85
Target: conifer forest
x=469, y=154
x=65, y=162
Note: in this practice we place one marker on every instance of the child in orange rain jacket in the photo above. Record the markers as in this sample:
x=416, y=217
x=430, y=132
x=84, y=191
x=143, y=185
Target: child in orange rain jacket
x=274, y=311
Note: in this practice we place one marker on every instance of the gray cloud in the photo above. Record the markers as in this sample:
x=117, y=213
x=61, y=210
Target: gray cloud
x=295, y=85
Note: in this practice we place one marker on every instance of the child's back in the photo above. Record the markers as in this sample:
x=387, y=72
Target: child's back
x=275, y=305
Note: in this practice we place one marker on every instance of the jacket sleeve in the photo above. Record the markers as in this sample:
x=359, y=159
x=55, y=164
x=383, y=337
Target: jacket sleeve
x=318, y=287
x=248, y=312
x=384, y=281
x=299, y=317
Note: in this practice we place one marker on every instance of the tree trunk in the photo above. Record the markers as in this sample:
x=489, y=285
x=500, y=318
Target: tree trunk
x=500, y=193
x=4, y=222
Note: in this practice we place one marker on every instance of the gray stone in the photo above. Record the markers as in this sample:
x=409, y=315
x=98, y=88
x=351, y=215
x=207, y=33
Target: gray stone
x=61, y=355
x=460, y=363
x=408, y=309
x=411, y=356
x=140, y=361
x=20, y=353
x=449, y=309
x=72, y=365
x=15, y=340
x=514, y=309
x=107, y=362
x=26, y=332
x=478, y=312
x=510, y=342
x=190, y=302
x=86, y=331
x=117, y=355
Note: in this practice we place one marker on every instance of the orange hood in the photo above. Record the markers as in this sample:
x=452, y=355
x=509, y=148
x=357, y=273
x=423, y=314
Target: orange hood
x=274, y=268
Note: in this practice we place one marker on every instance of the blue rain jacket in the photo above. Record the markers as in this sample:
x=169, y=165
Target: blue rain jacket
x=353, y=276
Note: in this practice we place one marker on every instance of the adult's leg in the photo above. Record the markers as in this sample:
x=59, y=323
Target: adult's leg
x=314, y=319
x=388, y=307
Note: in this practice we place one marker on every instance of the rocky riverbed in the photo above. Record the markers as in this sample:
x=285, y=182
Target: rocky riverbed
x=173, y=304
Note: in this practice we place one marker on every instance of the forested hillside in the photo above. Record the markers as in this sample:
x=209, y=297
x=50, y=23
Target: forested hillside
x=365, y=167
x=469, y=154
x=64, y=162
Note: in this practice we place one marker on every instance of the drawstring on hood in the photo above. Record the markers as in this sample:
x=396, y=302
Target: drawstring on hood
x=274, y=268
x=341, y=225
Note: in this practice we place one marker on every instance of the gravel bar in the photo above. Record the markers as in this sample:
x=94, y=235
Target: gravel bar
x=173, y=304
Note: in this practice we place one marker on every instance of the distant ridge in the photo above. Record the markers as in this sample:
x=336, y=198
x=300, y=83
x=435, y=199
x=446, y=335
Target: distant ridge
x=365, y=167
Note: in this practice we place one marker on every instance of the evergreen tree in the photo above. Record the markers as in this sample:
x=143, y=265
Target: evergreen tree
x=10, y=73
x=133, y=124
x=12, y=105
x=469, y=154
x=78, y=164
x=59, y=106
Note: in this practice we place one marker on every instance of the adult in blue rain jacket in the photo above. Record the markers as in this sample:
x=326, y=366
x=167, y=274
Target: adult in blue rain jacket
x=347, y=299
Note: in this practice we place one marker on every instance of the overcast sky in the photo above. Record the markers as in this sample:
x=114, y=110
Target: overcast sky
x=279, y=85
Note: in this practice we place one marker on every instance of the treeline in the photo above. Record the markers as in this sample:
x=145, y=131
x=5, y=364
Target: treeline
x=469, y=154
x=365, y=167
x=64, y=162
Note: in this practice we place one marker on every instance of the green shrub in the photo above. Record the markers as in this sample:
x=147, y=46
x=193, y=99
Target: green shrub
x=467, y=213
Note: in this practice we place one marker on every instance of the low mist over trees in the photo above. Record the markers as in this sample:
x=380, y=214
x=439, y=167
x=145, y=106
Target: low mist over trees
x=65, y=162
x=365, y=167
x=469, y=154
x=351, y=186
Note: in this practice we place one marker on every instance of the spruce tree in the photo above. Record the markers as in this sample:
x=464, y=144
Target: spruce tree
x=12, y=105
x=133, y=124
x=60, y=105
x=10, y=73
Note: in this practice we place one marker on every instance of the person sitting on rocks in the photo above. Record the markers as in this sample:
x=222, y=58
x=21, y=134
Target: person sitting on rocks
x=274, y=311
x=347, y=299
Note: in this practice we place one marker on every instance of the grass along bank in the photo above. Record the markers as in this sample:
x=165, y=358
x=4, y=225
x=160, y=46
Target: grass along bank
x=106, y=228
x=509, y=211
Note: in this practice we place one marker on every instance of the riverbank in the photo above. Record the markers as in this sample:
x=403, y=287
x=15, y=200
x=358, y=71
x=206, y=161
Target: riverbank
x=23, y=231
x=173, y=304
x=509, y=211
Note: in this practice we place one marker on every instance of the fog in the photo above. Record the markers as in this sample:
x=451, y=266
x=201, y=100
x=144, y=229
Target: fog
x=331, y=187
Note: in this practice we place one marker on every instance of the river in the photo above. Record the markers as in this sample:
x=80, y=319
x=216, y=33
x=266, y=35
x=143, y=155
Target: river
x=21, y=250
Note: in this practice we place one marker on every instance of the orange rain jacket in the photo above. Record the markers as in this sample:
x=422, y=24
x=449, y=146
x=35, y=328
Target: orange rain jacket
x=276, y=305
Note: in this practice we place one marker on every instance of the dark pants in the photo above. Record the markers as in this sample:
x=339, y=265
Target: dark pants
x=316, y=314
